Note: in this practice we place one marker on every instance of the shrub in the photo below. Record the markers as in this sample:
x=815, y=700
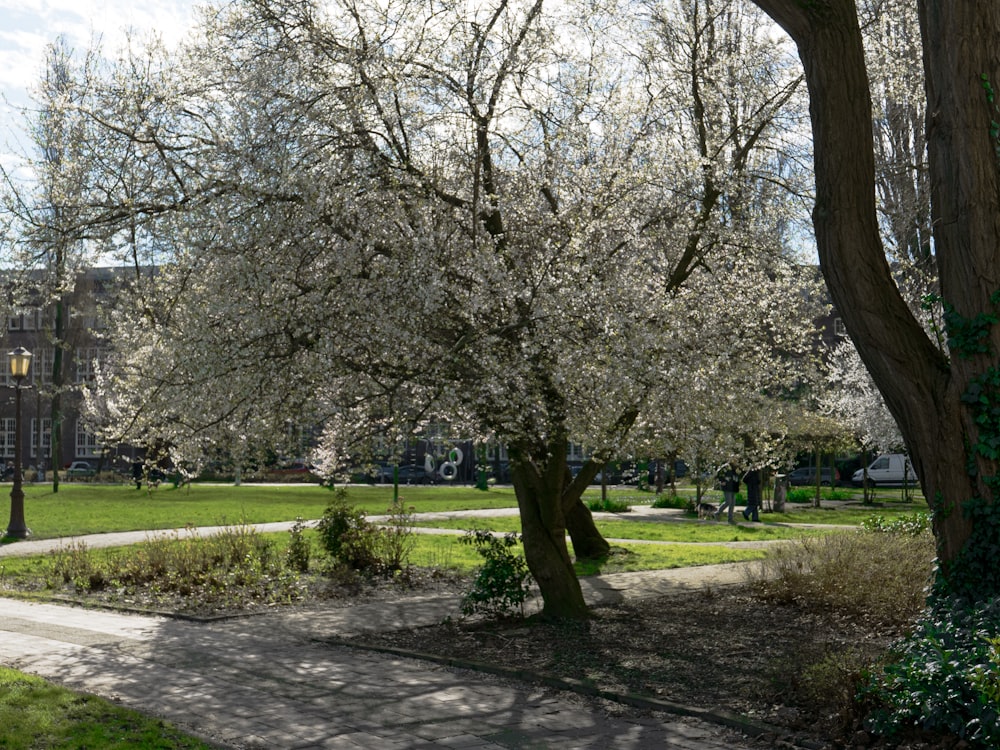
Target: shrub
x=339, y=519
x=827, y=675
x=299, y=551
x=351, y=540
x=503, y=582
x=75, y=565
x=667, y=500
x=235, y=567
x=945, y=677
x=395, y=541
x=912, y=525
x=608, y=505
x=882, y=577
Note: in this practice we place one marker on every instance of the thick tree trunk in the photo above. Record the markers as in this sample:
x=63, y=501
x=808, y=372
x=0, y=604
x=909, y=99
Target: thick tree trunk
x=543, y=533
x=962, y=67
x=925, y=392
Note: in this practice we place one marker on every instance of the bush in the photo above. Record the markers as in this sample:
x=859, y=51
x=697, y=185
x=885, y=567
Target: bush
x=912, y=525
x=608, y=505
x=882, y=577
x=826, y=678
x=807, y=494
x=945, y=677
x=339, y=519
x=395, y=540
x=352, y=541
x=235, y=567
x=299, y=551
x=667, y=500
x=75, y=565
x=503, y=583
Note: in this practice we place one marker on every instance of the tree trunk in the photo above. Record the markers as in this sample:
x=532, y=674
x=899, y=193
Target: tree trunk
x=543, y=533
x=819, y=476
x=55, y=404
x=932, y=398
x=588, y=543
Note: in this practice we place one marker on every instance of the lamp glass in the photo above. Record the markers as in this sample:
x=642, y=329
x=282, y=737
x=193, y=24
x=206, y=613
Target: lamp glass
x=20, y=360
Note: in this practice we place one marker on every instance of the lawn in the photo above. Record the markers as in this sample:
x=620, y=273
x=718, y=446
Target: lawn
x=80, y=508
x=646, y=530
x=35, y=714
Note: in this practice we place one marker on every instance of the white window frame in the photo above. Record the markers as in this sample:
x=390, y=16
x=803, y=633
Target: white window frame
x=86, y=356
x=46, y=437
x=41, y=365
x=8, y=436
x=87, y=445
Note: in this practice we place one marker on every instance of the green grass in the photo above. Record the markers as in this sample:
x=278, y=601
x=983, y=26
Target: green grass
x=38, y=714
x=658, y=531
x=851, y=515
x=93, y=509
x=627, y=558
x=445, y=552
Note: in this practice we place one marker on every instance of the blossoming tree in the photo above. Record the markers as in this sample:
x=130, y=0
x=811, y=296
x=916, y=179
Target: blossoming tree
x=534, y=223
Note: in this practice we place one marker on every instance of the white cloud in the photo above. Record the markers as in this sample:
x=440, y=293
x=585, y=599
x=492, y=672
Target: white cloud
x=27, y=26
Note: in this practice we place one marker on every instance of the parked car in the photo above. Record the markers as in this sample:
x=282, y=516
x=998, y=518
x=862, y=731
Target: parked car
x=889, y=470
x=80, y=469
x=806, y=475
x=295, y=471
x=407, y=474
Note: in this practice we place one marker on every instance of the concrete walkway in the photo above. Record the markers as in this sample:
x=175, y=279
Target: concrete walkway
x=277, y=681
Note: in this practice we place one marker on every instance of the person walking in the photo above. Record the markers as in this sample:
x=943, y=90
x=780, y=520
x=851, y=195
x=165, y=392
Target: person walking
x=729, y=481
x=752, y=481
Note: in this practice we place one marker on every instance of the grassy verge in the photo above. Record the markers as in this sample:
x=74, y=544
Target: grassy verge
x=38, y=714
x=643, y=530
x=627, y=558
x=94, y=509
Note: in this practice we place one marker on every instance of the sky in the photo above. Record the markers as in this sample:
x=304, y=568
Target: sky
x=27, y=26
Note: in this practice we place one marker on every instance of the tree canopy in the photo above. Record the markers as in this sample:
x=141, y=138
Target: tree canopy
x=534, y=223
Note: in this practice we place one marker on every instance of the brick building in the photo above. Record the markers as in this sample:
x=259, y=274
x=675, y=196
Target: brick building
x=32, y=327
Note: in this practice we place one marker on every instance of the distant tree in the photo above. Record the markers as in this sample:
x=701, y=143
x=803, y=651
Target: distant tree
x=49, y=221
x=851, y=397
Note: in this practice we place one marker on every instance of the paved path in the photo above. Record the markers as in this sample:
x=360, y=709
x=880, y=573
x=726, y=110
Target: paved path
x=272, y=681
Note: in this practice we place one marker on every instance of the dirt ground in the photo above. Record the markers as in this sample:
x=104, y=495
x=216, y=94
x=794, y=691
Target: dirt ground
x=716, y=648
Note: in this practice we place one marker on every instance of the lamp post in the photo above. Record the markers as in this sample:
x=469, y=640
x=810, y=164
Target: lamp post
x=20, y=361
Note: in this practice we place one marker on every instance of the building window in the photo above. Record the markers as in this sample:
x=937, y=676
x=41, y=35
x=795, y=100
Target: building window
x=41, y=366
x=87, y=359
x=32, y=320
x=46, y=437
x=838, y=327
x=8, y=435
x=495, y=452
x=14, y=323
x=87, y=445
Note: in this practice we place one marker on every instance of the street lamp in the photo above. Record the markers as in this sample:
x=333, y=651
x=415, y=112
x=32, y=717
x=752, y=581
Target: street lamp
x=20, y=361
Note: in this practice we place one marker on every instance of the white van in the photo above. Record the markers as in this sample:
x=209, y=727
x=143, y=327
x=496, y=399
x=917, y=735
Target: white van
x=892, y=469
